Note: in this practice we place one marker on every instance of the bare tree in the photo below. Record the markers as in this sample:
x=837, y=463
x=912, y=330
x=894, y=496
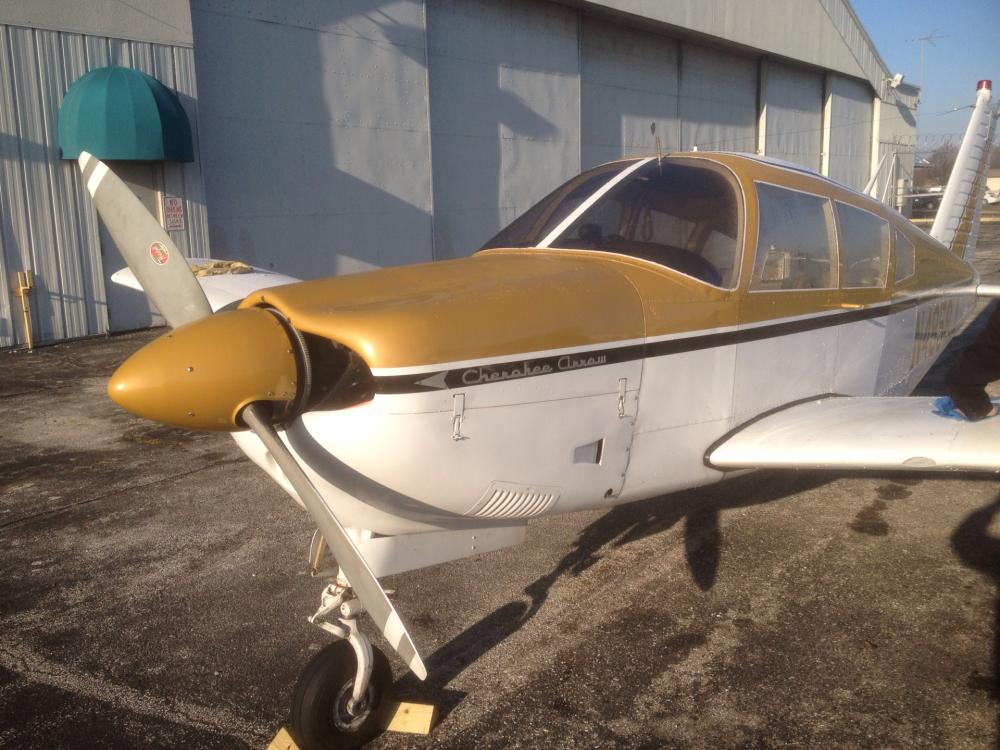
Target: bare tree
x=941, y=160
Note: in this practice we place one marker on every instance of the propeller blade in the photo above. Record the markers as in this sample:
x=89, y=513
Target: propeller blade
x=158, y=265
x=352, y=562
x=169, y=283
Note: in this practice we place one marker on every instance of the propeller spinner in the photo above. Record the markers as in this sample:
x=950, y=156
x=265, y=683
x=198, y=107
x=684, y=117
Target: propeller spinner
x=202, y=375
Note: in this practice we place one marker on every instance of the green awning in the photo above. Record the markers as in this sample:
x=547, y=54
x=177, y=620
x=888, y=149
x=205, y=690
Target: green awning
x=121, y=113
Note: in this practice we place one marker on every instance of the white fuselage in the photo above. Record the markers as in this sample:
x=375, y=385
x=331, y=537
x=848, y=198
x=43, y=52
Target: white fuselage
x=583, y=434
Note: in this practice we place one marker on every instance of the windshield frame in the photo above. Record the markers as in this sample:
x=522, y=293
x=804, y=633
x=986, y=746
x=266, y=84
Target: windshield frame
x=566, y=223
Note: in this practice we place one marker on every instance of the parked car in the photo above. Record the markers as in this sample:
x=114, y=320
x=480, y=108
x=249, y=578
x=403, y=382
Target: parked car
x=928, y=199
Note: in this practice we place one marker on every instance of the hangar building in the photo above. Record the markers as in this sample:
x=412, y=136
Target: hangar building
x=320, y=137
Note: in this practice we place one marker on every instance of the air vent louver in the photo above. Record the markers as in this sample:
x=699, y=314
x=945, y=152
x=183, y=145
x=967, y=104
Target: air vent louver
x=506, y=500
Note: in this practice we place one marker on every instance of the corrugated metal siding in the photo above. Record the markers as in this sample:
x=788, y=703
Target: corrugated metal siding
x=794, y=122
x=38, y=250
x=850, y=131
x=629, y=79
x=78, y=301
x=505, y=112
x=718, y=100
x=15, y=244
x=854, y=36
x=48, y=223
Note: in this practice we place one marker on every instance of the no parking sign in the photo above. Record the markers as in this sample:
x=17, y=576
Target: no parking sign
x=173, y=212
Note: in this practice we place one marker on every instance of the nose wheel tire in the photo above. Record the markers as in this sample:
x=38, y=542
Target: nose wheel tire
x=320, y=715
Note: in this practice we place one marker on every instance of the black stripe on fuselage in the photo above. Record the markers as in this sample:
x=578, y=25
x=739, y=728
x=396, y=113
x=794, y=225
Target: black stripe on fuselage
x=516, y=369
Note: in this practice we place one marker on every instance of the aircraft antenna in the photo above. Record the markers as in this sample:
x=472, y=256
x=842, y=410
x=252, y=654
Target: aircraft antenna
x=659, y=152
x=924, y=41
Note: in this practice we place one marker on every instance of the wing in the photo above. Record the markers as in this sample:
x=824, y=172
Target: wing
x=223, y=282
x=860, y=433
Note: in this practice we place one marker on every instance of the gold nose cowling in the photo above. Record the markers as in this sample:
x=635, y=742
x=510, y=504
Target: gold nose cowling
x=201, y=375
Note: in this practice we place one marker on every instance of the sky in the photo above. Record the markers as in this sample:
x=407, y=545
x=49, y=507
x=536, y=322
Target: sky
x=967, y=50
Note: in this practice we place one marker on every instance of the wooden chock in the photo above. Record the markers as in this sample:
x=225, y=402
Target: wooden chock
x=283, y=741
x=413, y=718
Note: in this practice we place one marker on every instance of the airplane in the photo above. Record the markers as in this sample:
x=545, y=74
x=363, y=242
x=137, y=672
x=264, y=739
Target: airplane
x=652, y=325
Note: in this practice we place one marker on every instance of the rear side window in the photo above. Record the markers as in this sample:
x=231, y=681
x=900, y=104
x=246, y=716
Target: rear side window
x=796, y=241
x=905, y=263
x=864, y=248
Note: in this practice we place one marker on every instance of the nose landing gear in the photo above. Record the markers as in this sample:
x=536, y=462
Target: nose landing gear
x=341, y=699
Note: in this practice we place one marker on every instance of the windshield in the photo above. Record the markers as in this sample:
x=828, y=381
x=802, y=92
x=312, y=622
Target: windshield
x=681, y=213
x=531, y=227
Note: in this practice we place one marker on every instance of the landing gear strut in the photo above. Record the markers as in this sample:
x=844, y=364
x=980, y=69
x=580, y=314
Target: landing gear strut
x=340, y=700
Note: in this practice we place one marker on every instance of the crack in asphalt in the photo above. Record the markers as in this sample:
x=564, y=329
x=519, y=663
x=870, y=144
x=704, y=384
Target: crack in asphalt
x=86, y=501
x=29, y=664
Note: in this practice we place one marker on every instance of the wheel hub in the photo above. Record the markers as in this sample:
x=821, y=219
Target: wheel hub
x=343, y=718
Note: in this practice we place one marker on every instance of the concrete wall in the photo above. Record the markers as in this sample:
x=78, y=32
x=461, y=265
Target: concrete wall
x=794, y=115
x=372, y=133
x=505, y=113
x=315, y=133
x=718, y=100
x=525, y=94
x=850, y=131
x=629, y=80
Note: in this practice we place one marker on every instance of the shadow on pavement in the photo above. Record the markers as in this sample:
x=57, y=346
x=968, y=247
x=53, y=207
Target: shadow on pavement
x=979, y=550
x=698, y=508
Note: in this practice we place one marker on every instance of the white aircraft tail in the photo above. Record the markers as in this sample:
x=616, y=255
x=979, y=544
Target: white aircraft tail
x=957, y=220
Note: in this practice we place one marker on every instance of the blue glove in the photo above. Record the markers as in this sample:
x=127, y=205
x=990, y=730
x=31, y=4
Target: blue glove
x=945, y=407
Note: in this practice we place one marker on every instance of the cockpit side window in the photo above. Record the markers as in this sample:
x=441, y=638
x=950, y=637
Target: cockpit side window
x=796, y=241
x=679, y=213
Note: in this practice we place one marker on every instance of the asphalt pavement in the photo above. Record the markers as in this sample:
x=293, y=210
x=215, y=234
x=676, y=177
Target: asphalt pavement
x=154, y=590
